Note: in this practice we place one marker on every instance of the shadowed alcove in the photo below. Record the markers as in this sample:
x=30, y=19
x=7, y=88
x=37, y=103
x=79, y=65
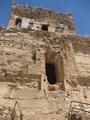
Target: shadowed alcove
x=18, y=22
x=50, y=72
x=54, y=69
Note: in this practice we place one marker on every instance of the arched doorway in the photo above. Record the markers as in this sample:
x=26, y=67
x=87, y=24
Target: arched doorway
x=54, y=69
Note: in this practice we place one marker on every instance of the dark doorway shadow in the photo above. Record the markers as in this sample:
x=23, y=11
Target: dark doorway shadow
x=50, y=72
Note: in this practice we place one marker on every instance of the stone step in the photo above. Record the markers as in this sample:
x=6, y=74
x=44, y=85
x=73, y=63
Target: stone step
x=26, y=94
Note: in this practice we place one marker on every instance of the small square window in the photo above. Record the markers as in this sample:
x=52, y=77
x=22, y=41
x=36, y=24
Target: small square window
x=18, y=22
x=45, y=27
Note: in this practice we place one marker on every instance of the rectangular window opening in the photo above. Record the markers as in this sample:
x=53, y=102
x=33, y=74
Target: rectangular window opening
x=44, y=27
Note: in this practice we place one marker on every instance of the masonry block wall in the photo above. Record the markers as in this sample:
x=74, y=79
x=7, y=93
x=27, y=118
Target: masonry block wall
x=82, y=57
x=23, y=56
x=43, y=65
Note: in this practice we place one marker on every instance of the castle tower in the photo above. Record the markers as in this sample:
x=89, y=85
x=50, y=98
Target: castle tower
x=41, y=19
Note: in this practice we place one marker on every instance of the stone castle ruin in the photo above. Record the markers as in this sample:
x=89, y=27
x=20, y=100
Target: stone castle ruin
x=44, y=67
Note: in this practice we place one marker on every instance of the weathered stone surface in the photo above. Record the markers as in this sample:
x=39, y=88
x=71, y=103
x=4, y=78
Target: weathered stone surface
x=24, y=54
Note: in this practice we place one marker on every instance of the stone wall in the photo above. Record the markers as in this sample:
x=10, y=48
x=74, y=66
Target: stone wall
x=26, y=48
x=82, y=57
x=23, y=54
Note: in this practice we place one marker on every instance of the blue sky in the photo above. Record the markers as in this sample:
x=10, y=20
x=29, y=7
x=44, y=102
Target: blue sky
x=79, y=8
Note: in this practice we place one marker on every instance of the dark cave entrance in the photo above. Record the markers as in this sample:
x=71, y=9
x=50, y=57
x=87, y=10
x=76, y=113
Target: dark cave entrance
x=50, y=72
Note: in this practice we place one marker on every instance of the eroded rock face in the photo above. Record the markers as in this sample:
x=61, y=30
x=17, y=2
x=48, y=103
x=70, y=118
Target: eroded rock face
x=42, y=72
